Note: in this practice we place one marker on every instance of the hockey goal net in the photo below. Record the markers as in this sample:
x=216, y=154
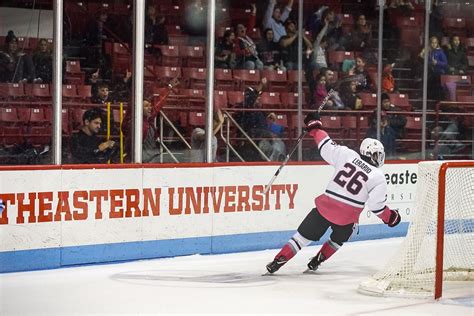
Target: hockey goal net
x=430, y=254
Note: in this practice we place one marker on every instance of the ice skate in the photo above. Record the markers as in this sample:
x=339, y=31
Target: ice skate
x=276, y=264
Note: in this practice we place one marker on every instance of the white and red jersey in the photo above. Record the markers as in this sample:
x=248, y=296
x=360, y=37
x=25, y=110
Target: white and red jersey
x=354, y=184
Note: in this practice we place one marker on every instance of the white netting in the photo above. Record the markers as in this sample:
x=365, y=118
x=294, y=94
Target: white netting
x=411, y=272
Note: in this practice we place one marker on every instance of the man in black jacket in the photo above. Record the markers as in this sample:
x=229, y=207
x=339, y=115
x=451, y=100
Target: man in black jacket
x=86, y=146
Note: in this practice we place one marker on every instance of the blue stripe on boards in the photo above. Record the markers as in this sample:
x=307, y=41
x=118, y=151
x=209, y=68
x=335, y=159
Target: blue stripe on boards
x=50, y=258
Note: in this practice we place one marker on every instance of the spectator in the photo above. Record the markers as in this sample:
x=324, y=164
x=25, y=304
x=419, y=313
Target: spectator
x=363, y=77
x=437, y=66
x=43, y=62
x=155, y=31
x=330, y=78
x=15, y=66
x=274, y=19
x=102, y=95
x=95, y=40
x=151, y=109
x=388, y=81
x=269, y=51
x=404, y=6
x=396, y=121
x=225, y=55
x=86, y=146
x=198, y=139
x=387, y=135
x=457, y=59
x=246, y=50
x=289, y=47
x=361, y=37
x=274, y=148
x=334, y=33
x=349, y=95
x=448, y=137
x=319, y=49
x=321, y=92
x=94, y=79
x=123, y=87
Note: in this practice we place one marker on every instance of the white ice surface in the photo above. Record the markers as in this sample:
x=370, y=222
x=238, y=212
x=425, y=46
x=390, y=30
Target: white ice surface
x=223, y=284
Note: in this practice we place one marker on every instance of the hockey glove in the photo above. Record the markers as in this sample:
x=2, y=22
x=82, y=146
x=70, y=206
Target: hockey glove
x=312, y=121
x=395, y=218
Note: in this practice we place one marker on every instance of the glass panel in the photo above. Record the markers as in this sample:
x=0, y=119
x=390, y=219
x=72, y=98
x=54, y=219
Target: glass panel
x=450, y=82
x=96, y=81
x=25, y=77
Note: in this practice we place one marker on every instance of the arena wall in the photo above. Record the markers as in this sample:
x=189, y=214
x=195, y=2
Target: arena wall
x=70, y=215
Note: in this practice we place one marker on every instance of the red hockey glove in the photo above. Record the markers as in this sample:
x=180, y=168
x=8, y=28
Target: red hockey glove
x=395, y=218
x=312, y=121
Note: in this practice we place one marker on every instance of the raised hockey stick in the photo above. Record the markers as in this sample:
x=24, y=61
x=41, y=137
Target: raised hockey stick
x=298, y=141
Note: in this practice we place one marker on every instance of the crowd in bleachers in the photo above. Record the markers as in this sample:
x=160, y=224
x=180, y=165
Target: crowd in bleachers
x=255, y=43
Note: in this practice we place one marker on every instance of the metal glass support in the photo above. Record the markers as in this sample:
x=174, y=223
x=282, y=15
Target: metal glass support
x=57, y=80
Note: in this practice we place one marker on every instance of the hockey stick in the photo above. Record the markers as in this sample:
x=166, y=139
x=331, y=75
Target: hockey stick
x=298, y=141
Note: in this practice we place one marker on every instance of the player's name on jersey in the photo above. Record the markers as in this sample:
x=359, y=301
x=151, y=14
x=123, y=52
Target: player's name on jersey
x=38, y=207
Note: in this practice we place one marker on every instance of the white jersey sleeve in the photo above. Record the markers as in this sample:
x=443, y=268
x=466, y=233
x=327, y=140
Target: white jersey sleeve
x=377, y=194
x=333, y=153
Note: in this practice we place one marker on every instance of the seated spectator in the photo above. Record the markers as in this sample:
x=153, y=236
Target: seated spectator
x=151, y=109
x=15, y=66
x=387, y=136
x=246, y=49
x=225, y=56
x=269, y=52
x=86, y=146
x=321, y=92
x=274, y=19
x=396, y=121
x=361, y=37
x=155, y=31
x=289, y=47
x=404, y=6
x=363, y=77
x=388, y=81
x=457, y=59
x=43, y=62
x=198, y=139
x=349, y=95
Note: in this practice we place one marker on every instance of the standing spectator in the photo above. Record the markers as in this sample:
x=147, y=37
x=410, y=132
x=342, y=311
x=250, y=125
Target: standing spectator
x=289, y=47
x=319, y=48
x=43, y=62
x=225, y=55
x=102, y=95
x=388, y=81
x=457, y=59
x=86, y=146
x=246, y=49
x=198, y=139
x=396, y=121
x=361, y=37
x=269, y=51
x=437, y=66
x=387, y=135
x=95, y=40
x=155, y=31
x=334, y=30
x=15, y=66
x=274, y=19
x=151, y=109
x=274, y=148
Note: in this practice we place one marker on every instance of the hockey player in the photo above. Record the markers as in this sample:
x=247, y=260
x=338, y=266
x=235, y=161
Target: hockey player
x=357, y=182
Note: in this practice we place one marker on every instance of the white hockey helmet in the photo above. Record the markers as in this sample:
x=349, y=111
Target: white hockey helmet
x=373, y=149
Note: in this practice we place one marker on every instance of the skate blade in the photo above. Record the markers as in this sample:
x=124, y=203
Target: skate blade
x=309, y=271
x=267, y=274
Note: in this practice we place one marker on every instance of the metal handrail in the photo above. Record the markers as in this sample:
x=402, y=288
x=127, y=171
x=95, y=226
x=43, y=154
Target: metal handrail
x=231, y=119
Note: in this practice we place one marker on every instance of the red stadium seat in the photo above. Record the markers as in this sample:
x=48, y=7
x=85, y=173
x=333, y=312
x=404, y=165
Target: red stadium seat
x=40, y=135
x=12, y=135
x=169, y=55
x=196, y=93
x=37, y=116
x=224, y=79
x=64, y=118
x=195, y=77
x=270, y=100
x=8, y=116
x=76, y=117
x=282, y=119
x=69, y=91
x=246, y=77
x=277, y=79
x=192, y=56
x=84, y=92
x=337, y=57
x=409, y=21
x=167, y=73
x=196, y=119
x=15, y=90
x=411, y=37
x=290, y=99
x=454, y=26
x=459, y=79
x=235, y=97
x=369, y=100
x=38, y=90
x=465, y=98
x=333, y=125
x=400, y=100
x=220, y=99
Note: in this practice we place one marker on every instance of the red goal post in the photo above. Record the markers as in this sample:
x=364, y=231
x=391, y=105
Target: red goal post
x=439, y=244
